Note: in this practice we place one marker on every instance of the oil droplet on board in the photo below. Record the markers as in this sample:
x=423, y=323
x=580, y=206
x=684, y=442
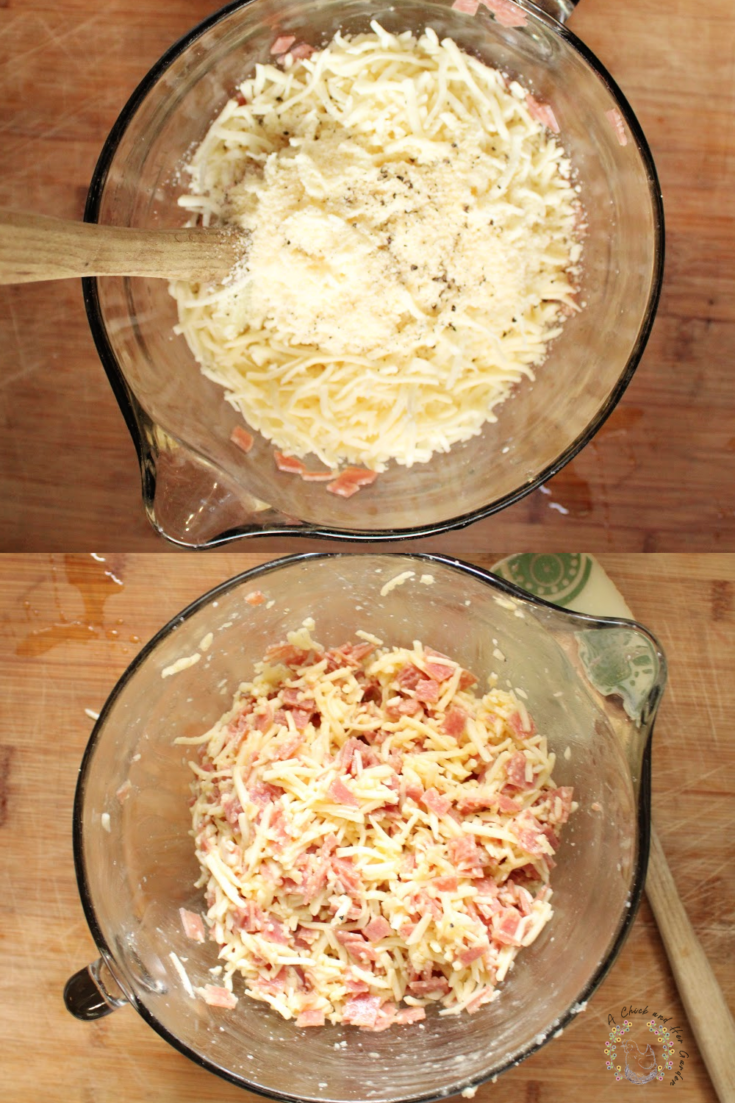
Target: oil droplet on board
x=96, y=580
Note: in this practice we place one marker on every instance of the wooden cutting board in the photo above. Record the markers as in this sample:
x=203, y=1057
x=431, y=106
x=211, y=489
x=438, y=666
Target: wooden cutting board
x=658, y=477
x=70, y=627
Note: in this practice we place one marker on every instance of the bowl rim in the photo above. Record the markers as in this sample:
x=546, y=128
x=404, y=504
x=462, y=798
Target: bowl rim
x=138, y=420
x=643, y=819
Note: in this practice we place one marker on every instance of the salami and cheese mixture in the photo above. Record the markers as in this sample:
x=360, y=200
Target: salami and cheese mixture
x=374, y=836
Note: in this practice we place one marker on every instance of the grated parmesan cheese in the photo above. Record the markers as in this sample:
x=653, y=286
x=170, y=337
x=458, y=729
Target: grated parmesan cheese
x=412, y=249
x=373, y=836
x=179, y=665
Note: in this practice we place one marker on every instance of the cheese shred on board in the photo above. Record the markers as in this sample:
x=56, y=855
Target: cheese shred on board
x=374, y=837
x=411, y=247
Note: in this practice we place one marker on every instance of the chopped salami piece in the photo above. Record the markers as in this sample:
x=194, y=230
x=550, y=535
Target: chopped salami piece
x=362, y=1010
x=287, y=654
x=232, y=809
x=410, y=1015
x=526, y=830
x=290, y=747
x=263, y=793
x=343, y=871
x=283, y=43
x=124, y=791
x=301, y=50
x=427, y=690
x=466, y=680
x=218, y=997
x=467, y=7
x=440, y=672
x=445, y=884
x=310, y=1016
x=455, y=721
x=516, y=724
x=415, y=792
x=289, y=464
x=316, y=476
x=240, y=100
x=409, y=707
x=274, y=931
x=506, y=13
x=616, y=121
x=301, y=717
x=377, y=929
x=351, y=480
x=408, y=677
x=340, y=794
x=250, y=919
x=486, y=887
x=264, y=719
x=464, y=853
x=515, y=771
x=434, y=986
x=505, y=926
x=560, y=813
x=475, y=801
x=242, y=438
x=356, y=985
x=507, y=804
x=193, y=925
x=551, y=835
x=436, y=803
x=541, y=112
x=355, y=945
x=466, y=957
x=386, y=1017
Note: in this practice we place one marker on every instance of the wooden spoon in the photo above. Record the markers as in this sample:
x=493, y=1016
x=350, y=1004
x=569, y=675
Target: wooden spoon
x=34, y=247
x=708, y=1013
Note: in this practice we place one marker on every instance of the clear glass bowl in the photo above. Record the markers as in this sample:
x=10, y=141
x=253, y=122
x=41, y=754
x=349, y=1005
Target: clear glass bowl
x=138, y=868
x=198, y=488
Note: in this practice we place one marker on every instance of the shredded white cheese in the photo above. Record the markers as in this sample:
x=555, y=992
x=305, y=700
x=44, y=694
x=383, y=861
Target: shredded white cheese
x=373, y=836
x=179, y=665
x=412, y=250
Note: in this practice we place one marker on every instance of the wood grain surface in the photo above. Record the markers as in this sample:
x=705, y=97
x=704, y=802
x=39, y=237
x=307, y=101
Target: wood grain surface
x=69, y=631
x=659, y=475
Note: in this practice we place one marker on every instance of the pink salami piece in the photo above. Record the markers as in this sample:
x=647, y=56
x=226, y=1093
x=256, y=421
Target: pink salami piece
x=616, y=121
x=193, y=925
x=377, y=929
x=506, y=13
x=340, y=794
x=542, y=113
x=242, y=438
x=436, y=803
x=282, y=44
x=219, y=997
x=362, y=1010
x=351, y=480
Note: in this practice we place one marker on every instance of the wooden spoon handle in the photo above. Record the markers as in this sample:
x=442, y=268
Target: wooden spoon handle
x=34, y=247
x=708, y=1014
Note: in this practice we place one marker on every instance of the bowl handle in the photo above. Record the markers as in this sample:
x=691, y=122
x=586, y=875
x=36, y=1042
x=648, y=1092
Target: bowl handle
x=88, y=993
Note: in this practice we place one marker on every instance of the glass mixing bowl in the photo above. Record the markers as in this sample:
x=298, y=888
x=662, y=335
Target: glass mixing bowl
x=592, y=685
x=198, y=488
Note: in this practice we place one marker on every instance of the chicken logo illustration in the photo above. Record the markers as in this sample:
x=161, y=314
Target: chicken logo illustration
x=639, y=1061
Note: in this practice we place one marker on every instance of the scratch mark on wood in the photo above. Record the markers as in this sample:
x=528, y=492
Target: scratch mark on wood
x=721, y=599
x=6, y=757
